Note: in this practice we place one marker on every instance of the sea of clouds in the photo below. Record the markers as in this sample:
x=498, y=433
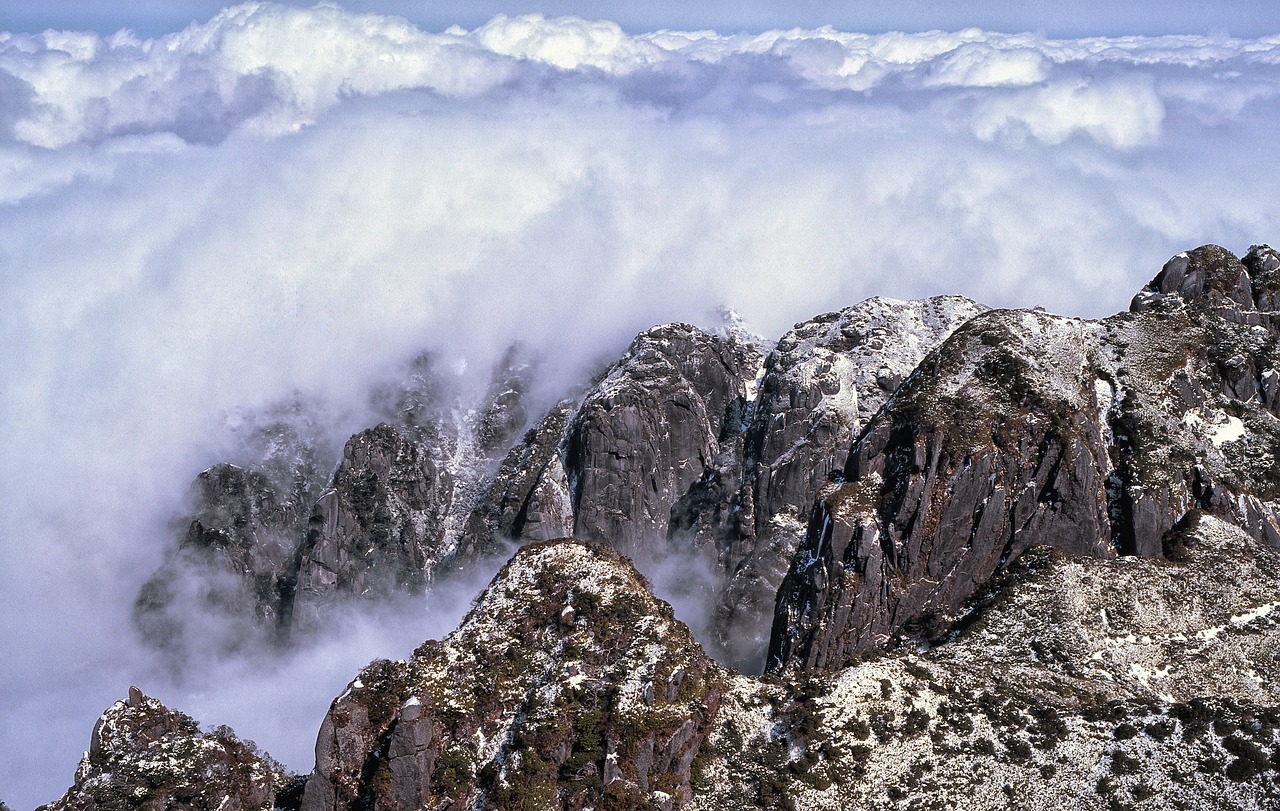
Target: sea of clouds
x=284, y=202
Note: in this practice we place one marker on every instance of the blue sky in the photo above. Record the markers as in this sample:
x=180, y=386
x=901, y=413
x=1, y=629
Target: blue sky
x=1242, y=18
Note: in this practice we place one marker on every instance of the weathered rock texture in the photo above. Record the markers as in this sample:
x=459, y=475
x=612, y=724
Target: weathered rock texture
x=670, y=452
x=567, y=686
x=529, y=498
x=1076, y=682
x=379, y=530
x=821, y=383
x=1072, y=682
x=638, y=442
x=1082, y=684
x=648, y=459
x=1027, y=429
x=236, y=561
x=270, y=547
x=673, y=451
x=144, y=756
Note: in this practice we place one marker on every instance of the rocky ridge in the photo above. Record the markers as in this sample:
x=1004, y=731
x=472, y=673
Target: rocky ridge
x=1078, y=682
x=142, y=755
x=567, y=686
x=692, y=444
x=1044, y=573
x=1027, y=429
x=1082, y=683
x=270, y=547
x=825, y=378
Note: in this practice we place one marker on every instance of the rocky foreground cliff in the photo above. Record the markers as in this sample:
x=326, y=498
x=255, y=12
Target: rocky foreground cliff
x=1008, y=559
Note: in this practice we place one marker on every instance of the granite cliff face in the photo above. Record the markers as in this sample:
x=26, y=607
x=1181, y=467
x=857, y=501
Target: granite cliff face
x=821, y=383
x=692, y=444
x=271, y=547
x=1027, y=429
x=1029, y=561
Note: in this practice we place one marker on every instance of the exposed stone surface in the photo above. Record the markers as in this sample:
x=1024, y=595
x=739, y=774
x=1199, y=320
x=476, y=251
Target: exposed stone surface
x=674, y=451
x=379, y=530
x=529, y=497
x=567, y=686
x=825, y=378
x=650, y=430
x=1076, y=682
x=655, y=458
x=285, y=536
x=1047, y=573
x=236, y=559
x=145, y=756
x=236, y=562
x=1025, y=429
x=641, y=452
x=1084, y=683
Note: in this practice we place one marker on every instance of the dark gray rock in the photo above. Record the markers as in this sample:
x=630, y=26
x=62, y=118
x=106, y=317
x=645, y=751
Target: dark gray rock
x=825, y=378
x=1025, y=429
x=650, y=430
x=503, y=414
x=984, y=453
x=642, y=456
x=529, y=496
x=282, y=533
x=236, y=561
x=380, y=529
x=1075, y=682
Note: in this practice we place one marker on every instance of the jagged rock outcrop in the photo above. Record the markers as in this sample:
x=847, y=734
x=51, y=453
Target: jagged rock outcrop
x=396, y=509
x=644, y=453
x=1046, y=574
x=379, y=530
x=1082, y=683
x=651, y=429
x=823, y=381
x=236, y=562
x=1073, y=682
x=282, y=535
x=825, y=378
x=236, y=559
x=145, y=756
x=567, y=686
x=529, y=497
x=1026, y=429
x=674, y=444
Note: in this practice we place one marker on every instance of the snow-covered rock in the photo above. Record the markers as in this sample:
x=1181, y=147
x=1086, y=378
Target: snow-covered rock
x=568, y=685
x=144, y=757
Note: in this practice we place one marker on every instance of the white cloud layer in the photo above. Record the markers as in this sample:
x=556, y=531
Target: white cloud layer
x=285, y=200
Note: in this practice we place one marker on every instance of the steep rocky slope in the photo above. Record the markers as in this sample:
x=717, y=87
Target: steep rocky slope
x=825, y=378
x=271, y=545
x=567, y=686
x=1083, y=683
x=1041, y=569
x=692, y=444
x=622, y=464
x=1028, y=429
x=142, y=755
x=1078, y=683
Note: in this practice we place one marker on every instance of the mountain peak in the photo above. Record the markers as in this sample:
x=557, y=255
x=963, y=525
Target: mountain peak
x=567, y=683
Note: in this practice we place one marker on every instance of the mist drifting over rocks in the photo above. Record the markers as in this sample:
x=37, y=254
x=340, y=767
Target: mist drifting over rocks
x=284, y=205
